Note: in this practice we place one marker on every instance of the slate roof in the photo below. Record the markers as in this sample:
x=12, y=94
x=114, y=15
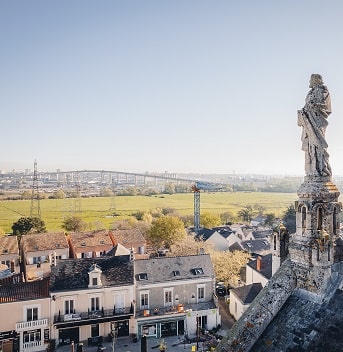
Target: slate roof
x=256, y=246
x=266, y=269
x=247, y=293
x=44, y=241
x=8, y=245
x=306, y=326
x=235, y=247
x=161, y=269
x=205, y=234
x=262, y=232
x=72, y=274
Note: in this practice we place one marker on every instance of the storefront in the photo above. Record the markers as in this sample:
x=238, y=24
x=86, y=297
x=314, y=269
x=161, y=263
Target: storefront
x=9, y=341
x=161, y=328
x=66, y=336
x=121, y=328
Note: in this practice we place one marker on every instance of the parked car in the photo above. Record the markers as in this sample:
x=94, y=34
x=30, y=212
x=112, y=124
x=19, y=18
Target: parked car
x=221, y=289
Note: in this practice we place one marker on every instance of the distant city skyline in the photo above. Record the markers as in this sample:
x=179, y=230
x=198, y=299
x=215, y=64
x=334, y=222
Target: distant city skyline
x=151, y=86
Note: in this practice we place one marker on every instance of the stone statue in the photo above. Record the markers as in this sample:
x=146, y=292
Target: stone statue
x=313, y=119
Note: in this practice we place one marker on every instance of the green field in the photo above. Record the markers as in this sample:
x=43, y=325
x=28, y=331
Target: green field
x=100, y=210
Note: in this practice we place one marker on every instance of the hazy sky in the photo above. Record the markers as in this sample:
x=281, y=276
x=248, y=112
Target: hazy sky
x=174, y=85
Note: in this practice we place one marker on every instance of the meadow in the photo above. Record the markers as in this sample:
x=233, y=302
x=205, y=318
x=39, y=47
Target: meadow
x=104, y=211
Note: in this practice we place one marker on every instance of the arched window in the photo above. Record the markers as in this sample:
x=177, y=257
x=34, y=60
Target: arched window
x=303, y=218
x=320, y=218
x=334, y=220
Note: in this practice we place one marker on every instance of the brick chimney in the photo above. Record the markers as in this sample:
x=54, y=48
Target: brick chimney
x=259, y=263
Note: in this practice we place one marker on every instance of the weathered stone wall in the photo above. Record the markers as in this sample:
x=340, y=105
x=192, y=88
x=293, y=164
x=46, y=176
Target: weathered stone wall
x=261, y=312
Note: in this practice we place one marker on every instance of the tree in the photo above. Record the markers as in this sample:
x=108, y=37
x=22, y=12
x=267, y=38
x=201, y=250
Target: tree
x=59, y=194
x=227, y=265
x=169, y=188
x=106, y=192
x=270, y=220
x=165, y=231
x=168, y=211
x=260, y=209
x=289, y=219
x=246, y=214
x=74, y=224
x=188, y=220
x=209, y=220
x=190, y=246
x=26, y=195
x=226, y=217
x=26, y=225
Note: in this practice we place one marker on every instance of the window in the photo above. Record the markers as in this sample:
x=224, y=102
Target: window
x=69, y=307
x=168, y=298
x=202, y=322
x=95, y=304
x=32, y=314
x=36, y=260
x=94, y=276
x=303, y=218
x=198, y=271
x=176, y=273
x=201, y=294
x=94, y=330
x=320, y=218
x=31, y=336
x=143, y=276
x=144, y=300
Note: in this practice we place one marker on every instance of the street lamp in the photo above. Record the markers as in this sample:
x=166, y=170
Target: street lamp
x=114, y=337
x=197, y=332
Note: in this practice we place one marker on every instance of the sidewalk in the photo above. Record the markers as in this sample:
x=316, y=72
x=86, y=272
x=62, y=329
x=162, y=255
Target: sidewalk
x=125, y=344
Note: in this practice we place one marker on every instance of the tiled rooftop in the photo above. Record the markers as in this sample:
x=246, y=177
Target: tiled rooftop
x=8, y=245
x=90, y=239
x=126, y=237
x=44, y=241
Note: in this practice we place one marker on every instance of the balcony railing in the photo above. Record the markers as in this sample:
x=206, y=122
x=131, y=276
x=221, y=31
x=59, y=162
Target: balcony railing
x=177, y=309
x=99, y=314
x=33, y=346
x=34, y=324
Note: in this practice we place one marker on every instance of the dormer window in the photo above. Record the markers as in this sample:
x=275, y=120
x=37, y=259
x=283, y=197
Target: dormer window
x=5, y=251
x=198, y=271
x=176, y=273
x=143, y=276
x=83, y=244
x=94, y=276
x=102, y=242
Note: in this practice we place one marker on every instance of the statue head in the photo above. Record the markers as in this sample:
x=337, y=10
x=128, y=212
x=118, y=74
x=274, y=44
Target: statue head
x=316, y=80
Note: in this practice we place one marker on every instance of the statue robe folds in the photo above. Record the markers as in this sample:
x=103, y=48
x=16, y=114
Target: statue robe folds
x=313, y=118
